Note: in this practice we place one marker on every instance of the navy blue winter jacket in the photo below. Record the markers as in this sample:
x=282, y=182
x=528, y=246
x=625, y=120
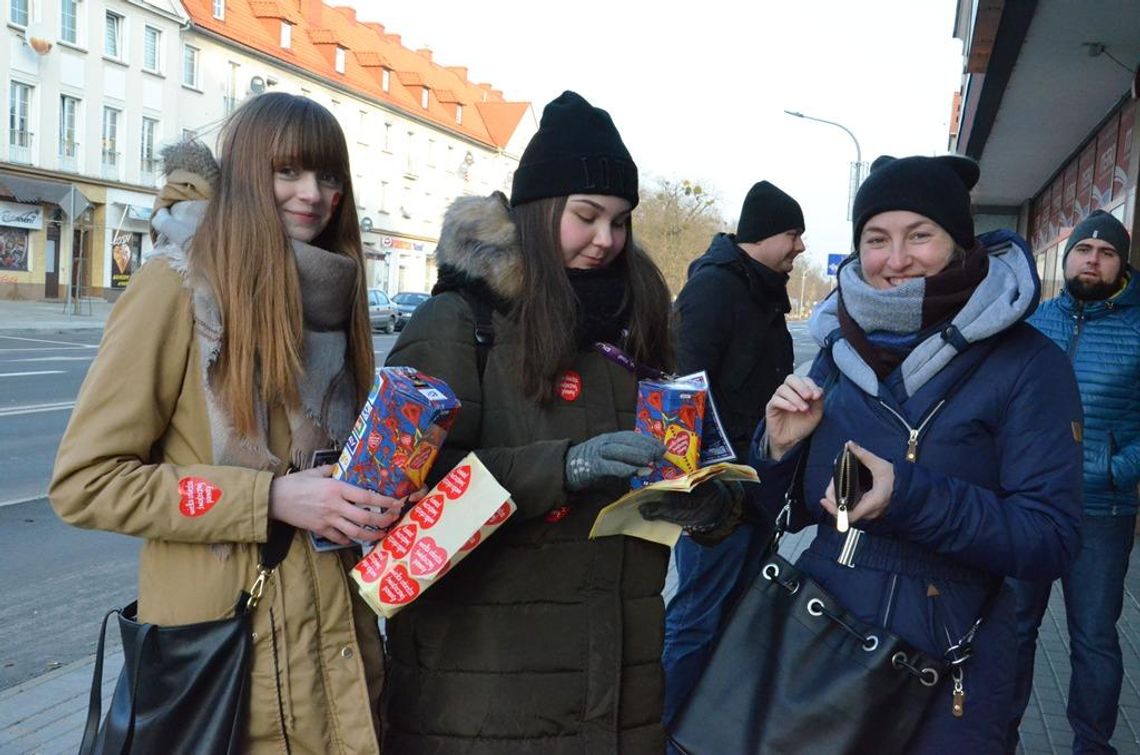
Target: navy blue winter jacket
x=993, y=488
x=1102, y=340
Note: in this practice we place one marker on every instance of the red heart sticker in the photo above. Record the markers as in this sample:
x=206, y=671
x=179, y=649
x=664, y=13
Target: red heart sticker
x=427, y=512
x=427, y=557
x=456, y=482
x=372, y=565
x=654, y=400
x=398, y=587
x=373, y=441
x=197, y=496
x=570, y=386
x=399, y=541
x=557, y=515
x=500, y=515
x=471, y=542
x=679, y=444
x=412, y=412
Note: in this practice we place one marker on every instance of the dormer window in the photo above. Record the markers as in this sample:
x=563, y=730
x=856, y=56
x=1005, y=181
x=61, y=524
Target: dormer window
x=339, y=61
x=220, y=10
x=385, y=78
x=424, y=95
x=459, y=115
x=286, y=35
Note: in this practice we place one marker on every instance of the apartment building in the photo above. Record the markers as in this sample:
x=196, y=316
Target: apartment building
x=96, y=87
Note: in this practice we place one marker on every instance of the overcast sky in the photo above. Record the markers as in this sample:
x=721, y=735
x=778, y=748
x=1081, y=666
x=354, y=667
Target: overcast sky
x=698, y=88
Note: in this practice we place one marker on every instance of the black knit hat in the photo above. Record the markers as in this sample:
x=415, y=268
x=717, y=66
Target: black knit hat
x=577, y=150
x=767, y=211
x=935, y=187
x=1101, y=225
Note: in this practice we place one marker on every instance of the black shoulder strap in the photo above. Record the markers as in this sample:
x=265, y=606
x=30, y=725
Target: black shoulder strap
x=484, y=328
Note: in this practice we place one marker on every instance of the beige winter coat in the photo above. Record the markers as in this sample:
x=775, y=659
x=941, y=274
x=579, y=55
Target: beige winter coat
x=139, y=433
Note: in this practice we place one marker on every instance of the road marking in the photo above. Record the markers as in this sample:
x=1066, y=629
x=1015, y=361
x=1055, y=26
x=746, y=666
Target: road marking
x=29, y=374
x=52, y=359
x=16, y=501
x=12, y=411
x=57, y=343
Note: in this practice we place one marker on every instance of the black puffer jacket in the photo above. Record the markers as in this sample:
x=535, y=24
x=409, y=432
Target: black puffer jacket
x=540, y=641
x=730, y=322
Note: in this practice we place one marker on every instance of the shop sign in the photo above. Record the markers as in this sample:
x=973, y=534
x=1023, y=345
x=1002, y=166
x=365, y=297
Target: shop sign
x=126, y=256
x=392, y=242
x=15, y=215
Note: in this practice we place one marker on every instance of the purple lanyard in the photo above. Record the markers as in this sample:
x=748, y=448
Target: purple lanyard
x=621, y=359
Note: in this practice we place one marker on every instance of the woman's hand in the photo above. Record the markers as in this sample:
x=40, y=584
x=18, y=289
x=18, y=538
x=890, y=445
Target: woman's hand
x=875, y=501
x=792, y=414
x=311, y=500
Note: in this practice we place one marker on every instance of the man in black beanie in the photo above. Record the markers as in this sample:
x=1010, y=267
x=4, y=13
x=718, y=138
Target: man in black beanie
x=1096, y=320
x=729, y=322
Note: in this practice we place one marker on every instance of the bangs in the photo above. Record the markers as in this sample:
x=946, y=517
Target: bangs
x=309, y=138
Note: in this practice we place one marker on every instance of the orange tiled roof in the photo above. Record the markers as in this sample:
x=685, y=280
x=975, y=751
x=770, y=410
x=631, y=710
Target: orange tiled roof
x=256, y=24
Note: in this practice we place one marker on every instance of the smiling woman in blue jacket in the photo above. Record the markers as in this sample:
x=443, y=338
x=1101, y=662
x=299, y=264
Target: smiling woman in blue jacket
x=968, y=419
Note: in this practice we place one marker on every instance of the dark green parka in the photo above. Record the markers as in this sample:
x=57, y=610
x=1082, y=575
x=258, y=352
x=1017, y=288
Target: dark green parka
x=540, y=641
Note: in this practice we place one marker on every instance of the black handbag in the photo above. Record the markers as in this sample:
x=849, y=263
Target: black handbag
x=183, y=689
x=793, y=671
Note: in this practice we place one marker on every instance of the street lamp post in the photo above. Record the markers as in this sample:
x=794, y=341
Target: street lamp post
x=856, y=168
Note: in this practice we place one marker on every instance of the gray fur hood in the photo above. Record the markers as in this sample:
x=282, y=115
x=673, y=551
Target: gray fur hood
x=479, y=241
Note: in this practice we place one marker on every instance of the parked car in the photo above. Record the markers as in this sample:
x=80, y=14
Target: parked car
x=381, y=311
x=406, y=303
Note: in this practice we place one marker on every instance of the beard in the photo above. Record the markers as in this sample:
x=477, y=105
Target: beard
x=1093, y=291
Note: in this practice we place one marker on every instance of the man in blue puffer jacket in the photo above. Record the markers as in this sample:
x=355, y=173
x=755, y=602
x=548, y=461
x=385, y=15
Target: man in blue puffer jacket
x=1096, y=320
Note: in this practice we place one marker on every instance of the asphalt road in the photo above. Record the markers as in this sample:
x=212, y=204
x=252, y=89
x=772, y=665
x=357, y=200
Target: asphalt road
x=56, y=582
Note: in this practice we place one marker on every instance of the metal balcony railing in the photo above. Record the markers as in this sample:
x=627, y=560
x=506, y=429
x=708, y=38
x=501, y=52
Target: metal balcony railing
x=20, y=146
x=69, y=156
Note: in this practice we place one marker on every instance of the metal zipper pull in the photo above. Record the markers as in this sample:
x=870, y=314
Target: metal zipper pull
x=841, y=523
x=958, y=705
x=912, y=446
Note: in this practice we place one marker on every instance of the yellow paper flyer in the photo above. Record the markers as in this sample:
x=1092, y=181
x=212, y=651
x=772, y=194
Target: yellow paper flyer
x=623, y=518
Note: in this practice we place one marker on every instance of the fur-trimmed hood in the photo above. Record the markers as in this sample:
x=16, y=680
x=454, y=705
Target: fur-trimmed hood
x=479, y=242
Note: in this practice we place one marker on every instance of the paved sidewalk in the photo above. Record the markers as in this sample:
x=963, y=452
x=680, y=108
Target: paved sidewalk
x=53, y=316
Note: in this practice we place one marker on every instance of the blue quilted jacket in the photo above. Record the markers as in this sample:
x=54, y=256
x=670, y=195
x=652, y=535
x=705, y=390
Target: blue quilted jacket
x=1102, y=340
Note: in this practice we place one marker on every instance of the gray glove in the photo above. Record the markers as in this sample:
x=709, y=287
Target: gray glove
x=712, y=510
x=620, y=454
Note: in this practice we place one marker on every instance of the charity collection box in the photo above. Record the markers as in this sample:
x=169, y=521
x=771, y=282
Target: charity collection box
x=672, y=411
x=432, y=536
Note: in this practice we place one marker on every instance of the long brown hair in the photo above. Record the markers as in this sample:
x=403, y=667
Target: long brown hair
x=547, y=310
x=243, y=252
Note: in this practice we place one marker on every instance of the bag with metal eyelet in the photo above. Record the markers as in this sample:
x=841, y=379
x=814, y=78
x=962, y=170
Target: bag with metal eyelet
x=794, y=671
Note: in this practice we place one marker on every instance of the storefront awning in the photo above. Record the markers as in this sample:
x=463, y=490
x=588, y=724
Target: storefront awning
x=38, y=190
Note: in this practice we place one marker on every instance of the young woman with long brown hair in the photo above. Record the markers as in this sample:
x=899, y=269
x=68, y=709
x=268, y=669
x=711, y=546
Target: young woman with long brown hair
x=240, y=348
x=543, y=640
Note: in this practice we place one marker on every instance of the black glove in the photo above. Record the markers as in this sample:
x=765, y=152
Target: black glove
x=710, y=513
x=610, y=455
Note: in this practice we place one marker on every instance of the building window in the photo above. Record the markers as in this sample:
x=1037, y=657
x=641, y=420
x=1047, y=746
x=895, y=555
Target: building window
x=152, y=49
x=190, y=66
x=339, y=60
x=113, y=36
x=220, y=10
x=431, y=153
x=188, y=134
x=459, y=115
x=387, y=137
x=147, y=159
x=362, y=128
x=286, y=35
x=384, y=197
x=411, y=152
x=231, y=100
x=68, y=147
x=385, y=78
x=18, y=13
x=19, y=113
x=15, y=243
x=111, y=141
x=424, y=95
x=69, y=21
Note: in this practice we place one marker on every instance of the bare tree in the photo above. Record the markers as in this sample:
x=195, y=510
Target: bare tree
x=675, y=222
x=808, y=285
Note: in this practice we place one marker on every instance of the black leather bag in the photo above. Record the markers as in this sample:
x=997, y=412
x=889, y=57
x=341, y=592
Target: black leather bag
x=795, y=672
x=183, y=689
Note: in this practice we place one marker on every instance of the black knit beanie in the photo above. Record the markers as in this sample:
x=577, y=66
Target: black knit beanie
x=577, y=150
x=935, y=187
x=767, y=211
x=1101, y=225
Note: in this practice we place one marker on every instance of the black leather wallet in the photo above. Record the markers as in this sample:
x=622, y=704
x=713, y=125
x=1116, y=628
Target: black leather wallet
x=852, y=480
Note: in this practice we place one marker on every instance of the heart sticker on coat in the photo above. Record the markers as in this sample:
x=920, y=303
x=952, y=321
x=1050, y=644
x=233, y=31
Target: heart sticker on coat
x=196, y=496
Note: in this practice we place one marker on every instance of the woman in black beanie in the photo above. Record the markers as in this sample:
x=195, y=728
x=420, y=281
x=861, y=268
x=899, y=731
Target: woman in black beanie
x=969, y=422
x=542, y=640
